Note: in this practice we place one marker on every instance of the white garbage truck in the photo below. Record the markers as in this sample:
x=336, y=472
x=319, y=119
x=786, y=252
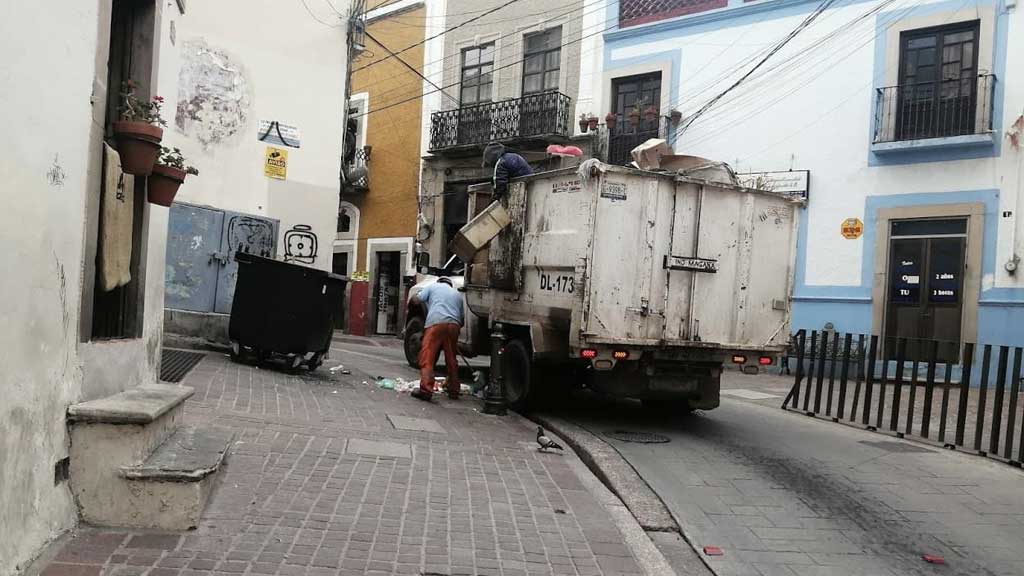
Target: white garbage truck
x=634, y=283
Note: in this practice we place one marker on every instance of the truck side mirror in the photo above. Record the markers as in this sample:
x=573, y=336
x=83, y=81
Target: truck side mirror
x=423, y=262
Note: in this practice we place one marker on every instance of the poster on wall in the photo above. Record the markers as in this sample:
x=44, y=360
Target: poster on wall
x=906, y=286
x=275, y=164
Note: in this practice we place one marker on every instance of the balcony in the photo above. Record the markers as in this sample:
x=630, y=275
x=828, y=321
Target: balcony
x=636, y=12
x=929, y=115
x=361, y=182
x=539, y=118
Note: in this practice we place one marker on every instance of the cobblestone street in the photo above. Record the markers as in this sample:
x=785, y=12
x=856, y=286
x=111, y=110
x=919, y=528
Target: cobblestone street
x=331, y=475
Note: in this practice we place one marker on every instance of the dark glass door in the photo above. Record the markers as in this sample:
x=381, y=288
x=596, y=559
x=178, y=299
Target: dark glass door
x=938, y=82
x=629, y=93
x=925, y=300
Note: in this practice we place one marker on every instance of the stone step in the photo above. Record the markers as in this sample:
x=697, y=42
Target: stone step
x=114, y=432
x=170, y=489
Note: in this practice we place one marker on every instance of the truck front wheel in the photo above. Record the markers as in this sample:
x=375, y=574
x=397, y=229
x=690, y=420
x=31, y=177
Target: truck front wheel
x=516, y=373
x=413, y=341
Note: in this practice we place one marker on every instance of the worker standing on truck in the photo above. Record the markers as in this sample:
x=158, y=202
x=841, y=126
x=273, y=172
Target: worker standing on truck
x=444, y=320
x=507, y=165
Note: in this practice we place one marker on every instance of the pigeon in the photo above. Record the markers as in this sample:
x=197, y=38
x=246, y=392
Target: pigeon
x=546, y=442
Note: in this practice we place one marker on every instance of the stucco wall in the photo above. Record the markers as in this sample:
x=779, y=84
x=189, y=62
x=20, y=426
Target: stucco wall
x=506, y=28
x=388, y=209
x=54, y=77
x=811, y=107
x=241, y=61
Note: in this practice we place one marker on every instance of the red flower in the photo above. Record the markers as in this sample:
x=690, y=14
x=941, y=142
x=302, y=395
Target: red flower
x=158, y=98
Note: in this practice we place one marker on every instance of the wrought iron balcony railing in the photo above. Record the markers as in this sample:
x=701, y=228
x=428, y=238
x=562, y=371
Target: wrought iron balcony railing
x=533, y=116
x=934, y=109
x=626, y=136
x=357, y=172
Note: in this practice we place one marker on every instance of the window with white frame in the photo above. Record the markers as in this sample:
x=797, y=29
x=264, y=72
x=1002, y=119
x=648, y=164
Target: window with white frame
x=542, y=56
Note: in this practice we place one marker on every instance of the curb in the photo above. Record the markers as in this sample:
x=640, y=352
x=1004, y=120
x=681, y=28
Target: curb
x=614, y=472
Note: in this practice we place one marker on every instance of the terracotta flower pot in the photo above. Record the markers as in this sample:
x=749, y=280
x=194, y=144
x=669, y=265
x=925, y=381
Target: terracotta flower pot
x=634, y=117
x=592, y=122
x=163, y=184
x=583, y=125
x=651, y=114
x=610, y=120
x=138, y=144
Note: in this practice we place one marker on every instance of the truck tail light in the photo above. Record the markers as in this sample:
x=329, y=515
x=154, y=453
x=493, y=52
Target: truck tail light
x=765, y=360
x=588, y=353
x=620, y=354
x=739, y=359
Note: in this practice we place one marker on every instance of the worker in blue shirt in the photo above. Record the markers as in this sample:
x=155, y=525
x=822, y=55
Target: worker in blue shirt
x=507, y=165
x=443, y=304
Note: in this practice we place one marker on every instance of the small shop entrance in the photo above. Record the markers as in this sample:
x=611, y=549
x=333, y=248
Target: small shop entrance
x=926, y=281
x=386, y=289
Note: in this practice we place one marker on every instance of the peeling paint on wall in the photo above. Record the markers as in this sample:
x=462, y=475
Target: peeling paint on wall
x=213, y=94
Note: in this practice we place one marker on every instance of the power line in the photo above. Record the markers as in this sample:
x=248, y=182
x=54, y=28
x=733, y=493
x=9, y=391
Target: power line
x=800, y=27
x=442, y=33
x=519, y=61
x=507, y=35
x=410, y=67
x=317, y=18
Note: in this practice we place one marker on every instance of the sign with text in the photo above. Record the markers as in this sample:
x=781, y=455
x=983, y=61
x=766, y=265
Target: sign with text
x=278, y=134
x=692, y=264
x=906, y=286
x=851, y=228
x=275, y=164
x=793, y=182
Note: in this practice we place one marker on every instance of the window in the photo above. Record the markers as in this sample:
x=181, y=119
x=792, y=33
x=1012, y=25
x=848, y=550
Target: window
x=344, y=222
x=477, y=71
x=938, y=89
x=542, y=60
x=629, y=94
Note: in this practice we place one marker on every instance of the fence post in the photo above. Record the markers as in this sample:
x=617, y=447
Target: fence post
x=869, y=383
x=882, y=386
x=821, y=372
x=929, y=389
x=832, y=374
x=912, y=401
x=810, y=369
x=897, y=392
x=965, y=384
x=1011, y=416
x=843, y=376
x=997, y=402
x=794, y=392
x=979, y=424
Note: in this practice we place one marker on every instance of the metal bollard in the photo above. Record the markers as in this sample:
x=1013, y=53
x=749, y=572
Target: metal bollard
x=494, y=402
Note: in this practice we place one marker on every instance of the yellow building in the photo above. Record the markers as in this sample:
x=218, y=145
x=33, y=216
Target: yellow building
x=377, y=223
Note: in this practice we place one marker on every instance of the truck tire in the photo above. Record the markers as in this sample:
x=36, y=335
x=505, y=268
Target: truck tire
x=413, y=341
x=516, y=372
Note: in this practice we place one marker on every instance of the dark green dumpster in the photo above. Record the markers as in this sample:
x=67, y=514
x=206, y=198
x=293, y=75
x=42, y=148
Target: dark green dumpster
x=283, y=310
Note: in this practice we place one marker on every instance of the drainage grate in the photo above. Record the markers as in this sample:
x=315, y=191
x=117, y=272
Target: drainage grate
x=176, y=364
x=893, y=446
x=638, y=437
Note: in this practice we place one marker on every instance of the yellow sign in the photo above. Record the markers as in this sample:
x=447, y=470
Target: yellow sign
x=851, y=228
x=276, y=164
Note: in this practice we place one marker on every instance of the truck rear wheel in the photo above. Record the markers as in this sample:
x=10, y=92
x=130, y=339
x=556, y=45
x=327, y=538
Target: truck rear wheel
x=516, y=372
x=413, y=341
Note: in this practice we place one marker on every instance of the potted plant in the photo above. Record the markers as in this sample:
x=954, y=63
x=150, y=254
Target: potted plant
x=610, y=119
x=633, y=116
x=676, y=116
x=650, y=113
x=583, y=123
x=592, y=122
x=168, y=174
x=138, y=132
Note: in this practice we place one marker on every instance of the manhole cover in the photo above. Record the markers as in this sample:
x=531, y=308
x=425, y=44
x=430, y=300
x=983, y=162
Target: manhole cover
x=638, y=437
x=176, y=364
x=893, y=446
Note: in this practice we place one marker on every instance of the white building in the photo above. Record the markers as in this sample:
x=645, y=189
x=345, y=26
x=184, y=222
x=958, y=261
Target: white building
x=247, y=80
x=63, y=339
x=905, y=113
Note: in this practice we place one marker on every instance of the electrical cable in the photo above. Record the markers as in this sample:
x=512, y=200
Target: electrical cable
x=410, y=67
x=442, y=33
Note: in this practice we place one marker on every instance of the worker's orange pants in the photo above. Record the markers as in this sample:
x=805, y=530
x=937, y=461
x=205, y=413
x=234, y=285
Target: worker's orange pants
x=436, y=338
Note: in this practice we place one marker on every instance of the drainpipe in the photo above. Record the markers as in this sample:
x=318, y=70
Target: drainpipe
x=1015, y=134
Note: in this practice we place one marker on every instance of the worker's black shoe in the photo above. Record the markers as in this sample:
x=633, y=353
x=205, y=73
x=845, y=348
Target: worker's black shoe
x=421, y=394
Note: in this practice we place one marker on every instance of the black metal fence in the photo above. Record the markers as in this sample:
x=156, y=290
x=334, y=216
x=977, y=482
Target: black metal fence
x=879, y=385
x=934, y=109
x=622, y=140
x=362, y=159
x=535, y=115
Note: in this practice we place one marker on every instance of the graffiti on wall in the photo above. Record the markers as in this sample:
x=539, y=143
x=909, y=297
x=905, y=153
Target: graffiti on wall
x=251, y=235
x=300, y=244
x=213, y=94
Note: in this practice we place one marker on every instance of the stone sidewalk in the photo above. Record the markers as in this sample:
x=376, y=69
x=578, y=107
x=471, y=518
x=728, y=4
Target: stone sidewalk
x=331, y=475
